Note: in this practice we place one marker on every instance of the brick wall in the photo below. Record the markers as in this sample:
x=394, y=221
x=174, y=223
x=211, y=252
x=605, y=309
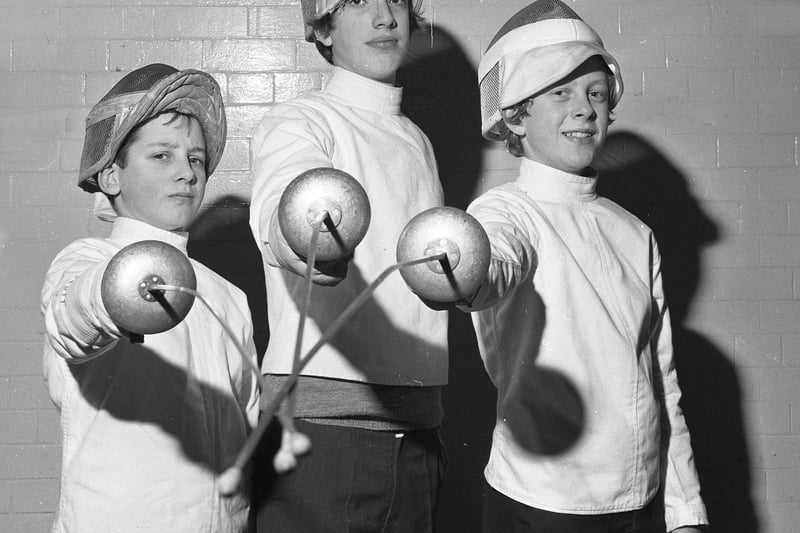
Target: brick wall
x=704, y=149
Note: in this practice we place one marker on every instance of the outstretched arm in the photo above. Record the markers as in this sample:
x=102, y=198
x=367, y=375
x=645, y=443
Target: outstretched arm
x=513, y=249
x=77, y=325
x=285, y=145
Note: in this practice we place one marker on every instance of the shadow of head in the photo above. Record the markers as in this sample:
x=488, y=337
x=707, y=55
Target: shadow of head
x=440, y=94
x=221, y=239
x=636, y=175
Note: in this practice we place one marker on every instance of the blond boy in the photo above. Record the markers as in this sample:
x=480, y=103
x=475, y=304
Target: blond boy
x=572, y=321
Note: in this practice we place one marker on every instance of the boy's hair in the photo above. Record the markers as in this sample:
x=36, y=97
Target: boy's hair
x=318, y=17
x=538, y=46
x=138, y=97
x=514, y=114
x=121, y=158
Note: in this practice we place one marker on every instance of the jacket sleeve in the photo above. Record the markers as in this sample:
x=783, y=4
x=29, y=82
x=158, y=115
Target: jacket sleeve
x=513, y=248
x=682, y=501
x=77, y=325
x=286, y=143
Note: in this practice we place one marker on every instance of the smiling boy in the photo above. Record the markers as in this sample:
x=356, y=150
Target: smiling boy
x=148, y=423
x=572, y=321
x=370, y=400
x=563, y=127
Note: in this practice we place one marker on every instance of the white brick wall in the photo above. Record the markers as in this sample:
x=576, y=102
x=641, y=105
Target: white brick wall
x=711, y=86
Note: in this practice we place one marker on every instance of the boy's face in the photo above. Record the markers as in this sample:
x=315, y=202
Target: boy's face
x=164, y=179
x=370, y=37
x=568, y=121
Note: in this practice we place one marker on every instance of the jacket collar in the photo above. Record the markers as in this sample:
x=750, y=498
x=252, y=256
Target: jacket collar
x=127, y=231
x=363, y=93
x=549, y=184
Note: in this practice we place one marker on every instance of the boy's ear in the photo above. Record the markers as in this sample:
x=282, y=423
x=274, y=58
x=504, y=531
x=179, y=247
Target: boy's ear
x=108, y=180
x=323, y=37
x=518, y=128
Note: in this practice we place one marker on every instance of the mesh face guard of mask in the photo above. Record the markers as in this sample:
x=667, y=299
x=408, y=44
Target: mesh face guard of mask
x=537, y=47
x=140, y=96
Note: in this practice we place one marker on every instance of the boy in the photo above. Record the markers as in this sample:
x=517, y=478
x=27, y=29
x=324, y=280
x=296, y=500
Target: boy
x=370, y=400
x=572, y=323
x=147, y=425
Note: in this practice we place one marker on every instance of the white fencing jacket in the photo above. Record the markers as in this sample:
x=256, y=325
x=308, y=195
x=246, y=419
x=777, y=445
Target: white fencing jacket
x=575, y=333
x=354, y=124
x=146, y=428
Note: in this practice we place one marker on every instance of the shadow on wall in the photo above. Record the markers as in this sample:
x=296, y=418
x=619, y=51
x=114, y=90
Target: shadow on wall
x=440, y=94
x=221, y=240
x=637, y=176
x=441, y=97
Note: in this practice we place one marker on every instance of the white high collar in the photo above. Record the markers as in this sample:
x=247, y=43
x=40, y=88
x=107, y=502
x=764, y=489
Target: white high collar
x=549, y=184
x=129, y=230
x=363, y=93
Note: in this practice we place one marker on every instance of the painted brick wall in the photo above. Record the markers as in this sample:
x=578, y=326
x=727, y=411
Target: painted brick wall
x=704, y=149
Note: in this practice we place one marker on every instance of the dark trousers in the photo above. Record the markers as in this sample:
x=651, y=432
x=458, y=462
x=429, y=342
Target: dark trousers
x=352, y=480
x=501, y=514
